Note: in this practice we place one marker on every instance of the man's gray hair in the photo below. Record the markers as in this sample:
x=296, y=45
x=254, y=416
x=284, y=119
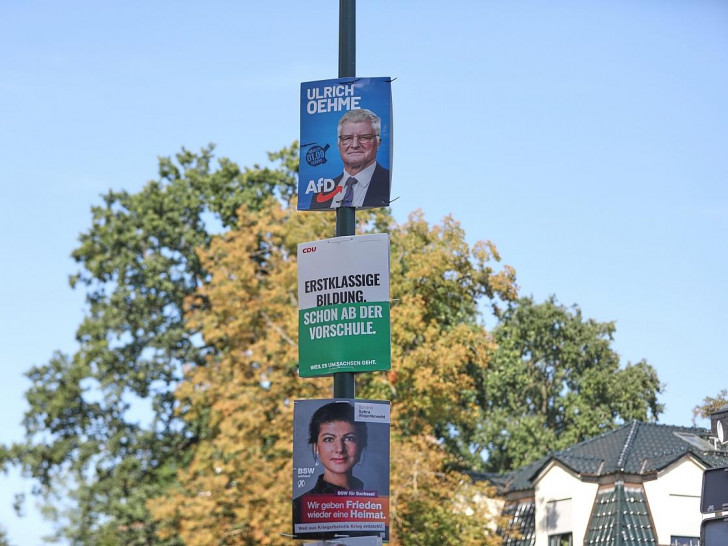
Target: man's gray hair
x=361, y=114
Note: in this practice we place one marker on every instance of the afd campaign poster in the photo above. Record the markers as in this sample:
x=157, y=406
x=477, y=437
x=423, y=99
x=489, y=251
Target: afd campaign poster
x=343, y=305
x=341, y=468
x=346, y=144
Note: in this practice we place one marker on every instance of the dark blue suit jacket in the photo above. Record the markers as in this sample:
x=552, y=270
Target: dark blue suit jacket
x=377, y=193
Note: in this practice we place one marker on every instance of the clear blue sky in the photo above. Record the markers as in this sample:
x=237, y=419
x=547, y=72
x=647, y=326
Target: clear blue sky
x=587, y=140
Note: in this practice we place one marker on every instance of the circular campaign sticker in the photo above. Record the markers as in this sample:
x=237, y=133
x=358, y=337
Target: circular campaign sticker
x=316, y=155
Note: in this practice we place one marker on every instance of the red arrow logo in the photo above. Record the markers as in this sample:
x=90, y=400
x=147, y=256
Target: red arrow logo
x=322, y=197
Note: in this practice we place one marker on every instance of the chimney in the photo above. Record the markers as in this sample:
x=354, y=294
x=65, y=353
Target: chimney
x=719, y=424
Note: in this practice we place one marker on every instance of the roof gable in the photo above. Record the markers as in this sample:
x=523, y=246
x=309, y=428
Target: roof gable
x=620, y=516
x=634, y=448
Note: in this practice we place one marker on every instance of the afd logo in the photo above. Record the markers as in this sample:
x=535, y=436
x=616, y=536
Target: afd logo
x=309, y=249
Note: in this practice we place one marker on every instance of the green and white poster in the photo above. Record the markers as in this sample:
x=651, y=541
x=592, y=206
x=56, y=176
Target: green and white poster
x=343, y=302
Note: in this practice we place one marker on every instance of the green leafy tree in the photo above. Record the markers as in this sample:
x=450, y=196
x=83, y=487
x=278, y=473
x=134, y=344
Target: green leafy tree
x=199, y=330
x=236, y=490
x=3, y=538
x=710, y=405
x=96, y=463
x=555, y=380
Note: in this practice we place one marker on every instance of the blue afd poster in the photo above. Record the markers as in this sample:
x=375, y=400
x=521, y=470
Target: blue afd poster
x=346, y=144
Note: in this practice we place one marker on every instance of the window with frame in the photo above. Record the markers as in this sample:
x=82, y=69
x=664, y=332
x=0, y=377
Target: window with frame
x=684, y=541
x=563, y=539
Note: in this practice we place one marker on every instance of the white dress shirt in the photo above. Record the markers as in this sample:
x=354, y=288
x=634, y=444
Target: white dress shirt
x=360, y=188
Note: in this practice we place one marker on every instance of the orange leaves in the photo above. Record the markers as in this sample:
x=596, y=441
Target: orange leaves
x=237, y=487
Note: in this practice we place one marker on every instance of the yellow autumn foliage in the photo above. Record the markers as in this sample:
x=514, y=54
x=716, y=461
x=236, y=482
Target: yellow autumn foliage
x=237, y=487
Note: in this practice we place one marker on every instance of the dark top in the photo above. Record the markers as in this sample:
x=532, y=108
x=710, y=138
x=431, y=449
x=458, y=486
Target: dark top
x=377, y=193
x=325, y=488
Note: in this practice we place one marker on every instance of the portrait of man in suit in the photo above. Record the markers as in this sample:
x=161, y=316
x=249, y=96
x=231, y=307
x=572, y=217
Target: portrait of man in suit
x=364, y=183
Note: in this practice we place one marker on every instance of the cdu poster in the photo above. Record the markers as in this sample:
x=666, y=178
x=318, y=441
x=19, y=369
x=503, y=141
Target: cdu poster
x=341, y=468
x=343, y=299
x=346, y=144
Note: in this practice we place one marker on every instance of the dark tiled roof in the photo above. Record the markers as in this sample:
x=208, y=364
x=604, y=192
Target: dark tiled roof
x=634, y=448
x=521, y=530
x=620, y=516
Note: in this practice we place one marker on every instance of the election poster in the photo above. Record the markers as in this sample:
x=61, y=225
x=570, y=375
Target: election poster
x=361, y=541
x=340, y=468
x=343, y=299
x=346, y=144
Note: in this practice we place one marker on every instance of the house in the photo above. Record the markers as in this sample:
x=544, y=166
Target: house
x=639, y=484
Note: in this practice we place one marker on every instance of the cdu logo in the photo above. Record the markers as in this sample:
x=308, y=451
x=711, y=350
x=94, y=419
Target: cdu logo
x=309, y=249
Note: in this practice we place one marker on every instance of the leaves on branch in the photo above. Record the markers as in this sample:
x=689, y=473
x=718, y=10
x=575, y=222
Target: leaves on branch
x=172, y=422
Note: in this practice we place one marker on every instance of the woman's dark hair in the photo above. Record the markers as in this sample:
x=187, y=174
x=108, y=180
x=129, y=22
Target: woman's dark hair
x=336, y=411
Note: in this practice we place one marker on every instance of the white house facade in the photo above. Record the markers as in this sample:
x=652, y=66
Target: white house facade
x=637, y=485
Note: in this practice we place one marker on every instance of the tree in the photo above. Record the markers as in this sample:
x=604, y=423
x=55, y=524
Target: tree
x=98, y=466
x=192, y=317
x=555, y=380
x=3, y=538
x=237, y=487
x=94, y=462
x=710, y=404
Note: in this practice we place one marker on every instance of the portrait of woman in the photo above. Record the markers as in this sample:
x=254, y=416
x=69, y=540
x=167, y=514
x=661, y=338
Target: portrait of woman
x=336, y=492
x=337, y=442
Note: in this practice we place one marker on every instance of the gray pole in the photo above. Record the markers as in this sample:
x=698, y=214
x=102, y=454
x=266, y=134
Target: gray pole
x=344, y=385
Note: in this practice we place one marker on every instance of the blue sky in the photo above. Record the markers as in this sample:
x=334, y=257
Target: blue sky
x=586, y=139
